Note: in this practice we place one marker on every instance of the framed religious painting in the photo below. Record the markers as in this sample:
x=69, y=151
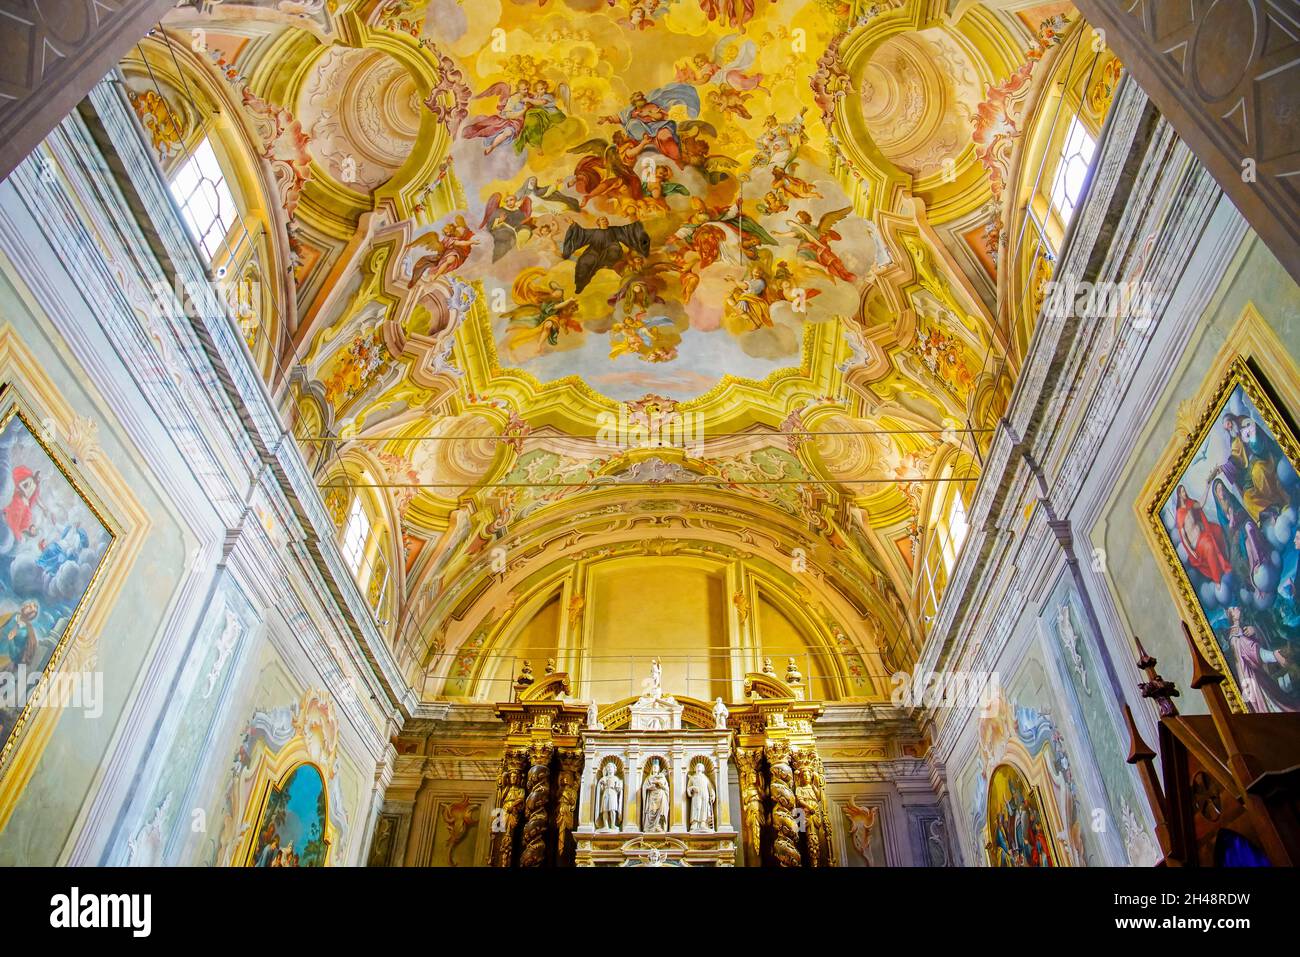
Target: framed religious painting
x=54, y=541
x=1019, y=834
x=293, y=827
x=1224, y=518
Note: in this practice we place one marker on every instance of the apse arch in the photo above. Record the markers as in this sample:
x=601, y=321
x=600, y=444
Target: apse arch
x=530, y=633
x=591, y=611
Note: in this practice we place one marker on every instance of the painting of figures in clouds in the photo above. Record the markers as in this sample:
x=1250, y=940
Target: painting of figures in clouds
x=1230, y=517
x=52, y=544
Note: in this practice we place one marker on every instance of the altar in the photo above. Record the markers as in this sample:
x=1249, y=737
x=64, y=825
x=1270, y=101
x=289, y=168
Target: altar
x=654, y=783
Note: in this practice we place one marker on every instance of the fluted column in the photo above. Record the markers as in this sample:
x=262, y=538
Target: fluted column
x=537, y=806
x=722, y=813
x=632, y=792
x=419, y=843
x=677, y=806
x=587, y=792
x=785, y=831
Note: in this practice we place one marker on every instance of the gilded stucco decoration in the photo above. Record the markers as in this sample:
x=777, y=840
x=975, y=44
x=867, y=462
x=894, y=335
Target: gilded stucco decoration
x=525, y=239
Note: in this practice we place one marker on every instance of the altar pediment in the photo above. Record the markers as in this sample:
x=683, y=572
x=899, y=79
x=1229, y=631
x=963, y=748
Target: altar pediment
x=663, y=713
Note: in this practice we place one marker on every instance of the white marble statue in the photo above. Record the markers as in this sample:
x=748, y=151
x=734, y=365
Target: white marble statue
x=655, y=799
x=609, y=799
x=700, y=795
x=656, y=679
x=593, y=718
x=720, y=714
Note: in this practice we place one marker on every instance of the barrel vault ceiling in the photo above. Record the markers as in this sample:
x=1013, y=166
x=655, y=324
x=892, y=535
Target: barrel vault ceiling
x=517, y=230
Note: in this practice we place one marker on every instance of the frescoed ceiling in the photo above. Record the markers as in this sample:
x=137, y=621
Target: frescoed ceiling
x=518, y=228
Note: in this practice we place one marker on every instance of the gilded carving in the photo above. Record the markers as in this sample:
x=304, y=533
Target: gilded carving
x=536, y=807
x=566, y=809
x=785, y=831
x=751, y=798
x=510, y=800
x=808, y=800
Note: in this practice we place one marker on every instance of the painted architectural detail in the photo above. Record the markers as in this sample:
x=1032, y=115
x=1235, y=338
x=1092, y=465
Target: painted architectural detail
x=552, y=339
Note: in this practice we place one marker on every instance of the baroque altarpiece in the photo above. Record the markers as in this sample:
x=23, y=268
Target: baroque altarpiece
x=659, y=779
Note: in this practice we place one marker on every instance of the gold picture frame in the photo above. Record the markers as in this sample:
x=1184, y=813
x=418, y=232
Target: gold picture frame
x=276, y=777
x=1239, y=375
x=13, y=404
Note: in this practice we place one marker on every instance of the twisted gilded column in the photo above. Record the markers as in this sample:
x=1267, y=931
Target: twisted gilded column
x=748, y=761
x=567, y=805
x=510, y=805
x=785, y=831
x=537, y=806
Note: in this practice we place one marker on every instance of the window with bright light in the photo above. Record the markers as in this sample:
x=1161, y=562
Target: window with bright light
x=206, y=203
x=1072, y=170
x=355, y=535
x=957, y=524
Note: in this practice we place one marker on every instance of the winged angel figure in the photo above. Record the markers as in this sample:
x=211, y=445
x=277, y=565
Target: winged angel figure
x=523, y=115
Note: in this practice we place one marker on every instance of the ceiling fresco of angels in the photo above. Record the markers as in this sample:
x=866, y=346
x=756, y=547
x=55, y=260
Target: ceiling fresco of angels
x=646, y=196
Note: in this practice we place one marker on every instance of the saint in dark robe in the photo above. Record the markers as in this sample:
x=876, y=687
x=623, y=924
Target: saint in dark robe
x=602, y=247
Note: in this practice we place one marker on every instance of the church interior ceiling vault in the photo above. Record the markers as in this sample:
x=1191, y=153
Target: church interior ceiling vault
x=596, y=280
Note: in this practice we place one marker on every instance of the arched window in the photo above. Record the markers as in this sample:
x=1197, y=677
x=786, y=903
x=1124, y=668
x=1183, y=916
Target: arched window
x=1072, y=170
x=356, y=536
x=207, y=206
x=1053, y=172
x=945, y=534
x=364, y=537
x=206, y=156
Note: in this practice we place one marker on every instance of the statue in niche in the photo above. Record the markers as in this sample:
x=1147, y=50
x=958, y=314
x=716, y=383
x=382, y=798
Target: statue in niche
x=720, y=714
x=655, y=799
x=609, y=798
x=700, y=795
